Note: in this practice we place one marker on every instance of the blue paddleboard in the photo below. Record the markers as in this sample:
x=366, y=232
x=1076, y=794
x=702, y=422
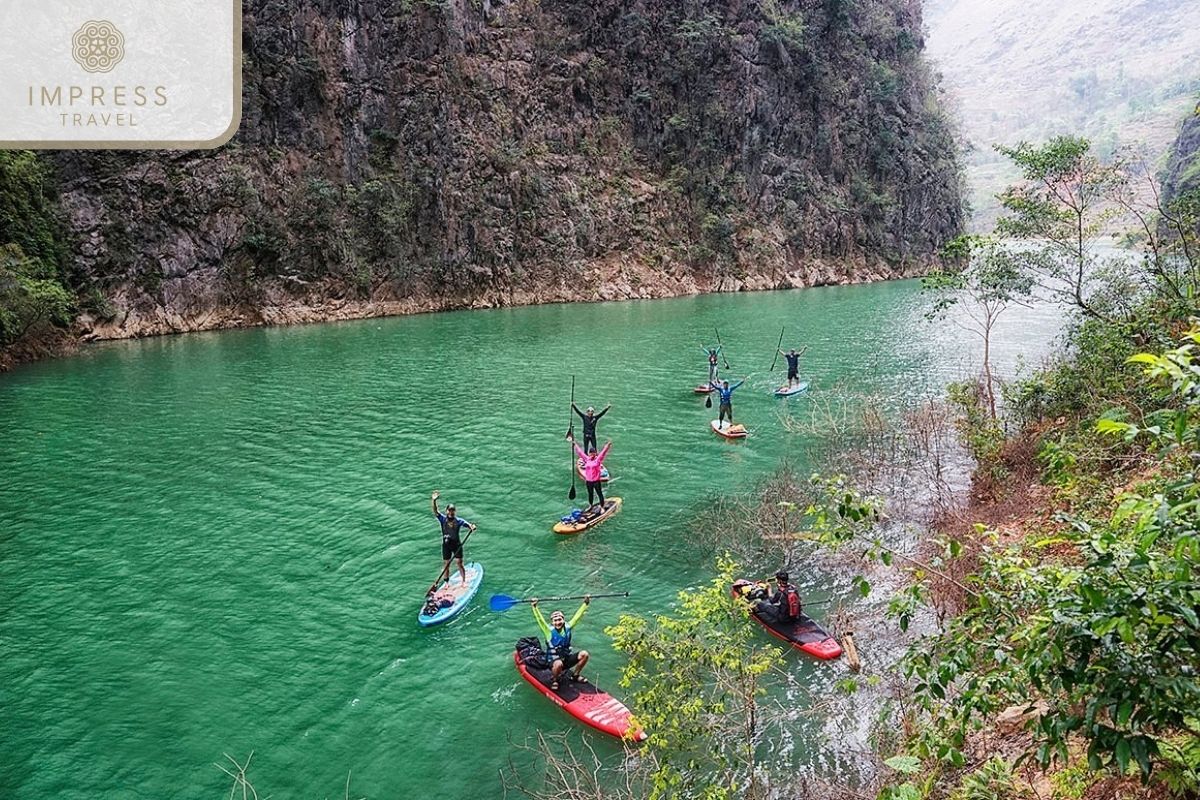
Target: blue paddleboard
x=454, y=591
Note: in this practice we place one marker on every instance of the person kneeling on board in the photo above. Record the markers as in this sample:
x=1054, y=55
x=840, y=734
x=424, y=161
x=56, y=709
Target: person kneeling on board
x=589, y=424
x=726, y=391
x=451, y=542
x=784, y=603
x=558, y=643
x=593, y=464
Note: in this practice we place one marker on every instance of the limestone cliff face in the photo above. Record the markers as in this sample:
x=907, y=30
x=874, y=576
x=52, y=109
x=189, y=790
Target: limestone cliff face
x=402, y=155
x=1182, y=172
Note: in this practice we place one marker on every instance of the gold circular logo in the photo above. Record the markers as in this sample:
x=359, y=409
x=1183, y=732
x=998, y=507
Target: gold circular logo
x=98, y=46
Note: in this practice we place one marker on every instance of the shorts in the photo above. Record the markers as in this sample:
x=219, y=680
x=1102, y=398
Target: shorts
x=793, y=374
x=451, y=548
x=569, y=660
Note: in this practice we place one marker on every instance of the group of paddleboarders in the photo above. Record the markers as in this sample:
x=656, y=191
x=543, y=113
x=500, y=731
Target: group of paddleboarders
x=725, y=391
x=782, y=605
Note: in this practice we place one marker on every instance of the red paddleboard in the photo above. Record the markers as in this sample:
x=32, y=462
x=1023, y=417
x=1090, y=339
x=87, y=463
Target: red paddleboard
x=583, y=701
x=703, y=388
x=729, y=431
x=804, y=634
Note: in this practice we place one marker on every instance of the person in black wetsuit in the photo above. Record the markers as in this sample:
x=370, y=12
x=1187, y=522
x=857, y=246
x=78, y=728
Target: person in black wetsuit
x=451, y=542
x=782, y=605
x=590, y=418
x=793, y=364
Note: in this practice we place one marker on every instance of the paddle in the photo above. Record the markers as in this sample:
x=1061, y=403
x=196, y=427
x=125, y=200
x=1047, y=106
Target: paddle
x=446, y=569
x=708, y=397
x=571, y=439
x=502, y=602
x=775, y=358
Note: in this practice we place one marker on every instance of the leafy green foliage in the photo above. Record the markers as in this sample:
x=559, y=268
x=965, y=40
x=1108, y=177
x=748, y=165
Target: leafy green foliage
x=30, y=296
x=32, y=249
x=1110, y=638
x=698, y=680
x=992, y=781
x=1059, y=212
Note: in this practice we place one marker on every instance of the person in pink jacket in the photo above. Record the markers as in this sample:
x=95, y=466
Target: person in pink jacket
x=592, y=462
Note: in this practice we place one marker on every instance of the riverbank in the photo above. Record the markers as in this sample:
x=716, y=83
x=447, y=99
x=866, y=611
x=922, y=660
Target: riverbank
x=190, y=303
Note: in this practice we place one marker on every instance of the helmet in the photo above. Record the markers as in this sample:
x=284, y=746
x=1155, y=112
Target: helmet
x=781, y=576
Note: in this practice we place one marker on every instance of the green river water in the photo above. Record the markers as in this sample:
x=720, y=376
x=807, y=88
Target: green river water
x=218, y=542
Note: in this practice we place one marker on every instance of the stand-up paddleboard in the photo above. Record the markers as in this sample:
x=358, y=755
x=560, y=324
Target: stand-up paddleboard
x=611, y=506
x=603, y=471
x=788, y=391
x=804, y=634
x=452, y=596
x=702, y=388
x=583, y=701
x=729, y=431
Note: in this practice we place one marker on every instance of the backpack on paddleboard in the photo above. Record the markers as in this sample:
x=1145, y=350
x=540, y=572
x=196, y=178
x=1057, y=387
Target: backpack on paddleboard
x=529, y=648
x=792, y=602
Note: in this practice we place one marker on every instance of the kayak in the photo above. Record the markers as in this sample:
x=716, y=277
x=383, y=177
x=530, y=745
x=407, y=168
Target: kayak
x=804, y=634
x=785, y=391
x=611, y=506
x=603, y=471
x=703, y=388
x=583, y=701
x=729, y=431
x=452, y=595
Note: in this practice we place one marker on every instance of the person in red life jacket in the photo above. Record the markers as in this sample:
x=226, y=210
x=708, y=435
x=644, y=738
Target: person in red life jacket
x=784, y=603
x=712, y=353
x=593, y=463
x=451, y=541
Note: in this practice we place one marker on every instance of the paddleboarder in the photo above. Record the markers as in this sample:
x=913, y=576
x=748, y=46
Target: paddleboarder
x=558, y=642
x=726, y=391
x=793, y=364
x=784, y=603
x=451, y=541
x=593, y=464
x=712, y=354
x=590, y=418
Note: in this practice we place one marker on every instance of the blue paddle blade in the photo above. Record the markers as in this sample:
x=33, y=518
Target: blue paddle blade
x=502, y=602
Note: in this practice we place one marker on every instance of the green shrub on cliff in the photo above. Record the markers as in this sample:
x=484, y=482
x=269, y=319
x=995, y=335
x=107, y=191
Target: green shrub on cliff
x=30, y=296
x=32, y=249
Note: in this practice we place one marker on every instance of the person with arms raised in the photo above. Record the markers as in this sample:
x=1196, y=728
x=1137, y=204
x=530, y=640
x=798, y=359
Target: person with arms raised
x=593, y=465
x=726, y=392
x=558, y=643
x=793, y=365
x=452, y=547
x=590, y=418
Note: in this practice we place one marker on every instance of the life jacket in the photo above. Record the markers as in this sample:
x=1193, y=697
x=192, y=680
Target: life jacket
x=791, y=599
x=559, y=643
x=450, y=528
x=712, y=358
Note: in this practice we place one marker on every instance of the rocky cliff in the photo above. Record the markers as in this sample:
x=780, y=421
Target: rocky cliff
x=402, y=155
x=1182, y=172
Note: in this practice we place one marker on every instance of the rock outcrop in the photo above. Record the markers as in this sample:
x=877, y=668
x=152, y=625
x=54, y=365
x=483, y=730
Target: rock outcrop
x=406, y=155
